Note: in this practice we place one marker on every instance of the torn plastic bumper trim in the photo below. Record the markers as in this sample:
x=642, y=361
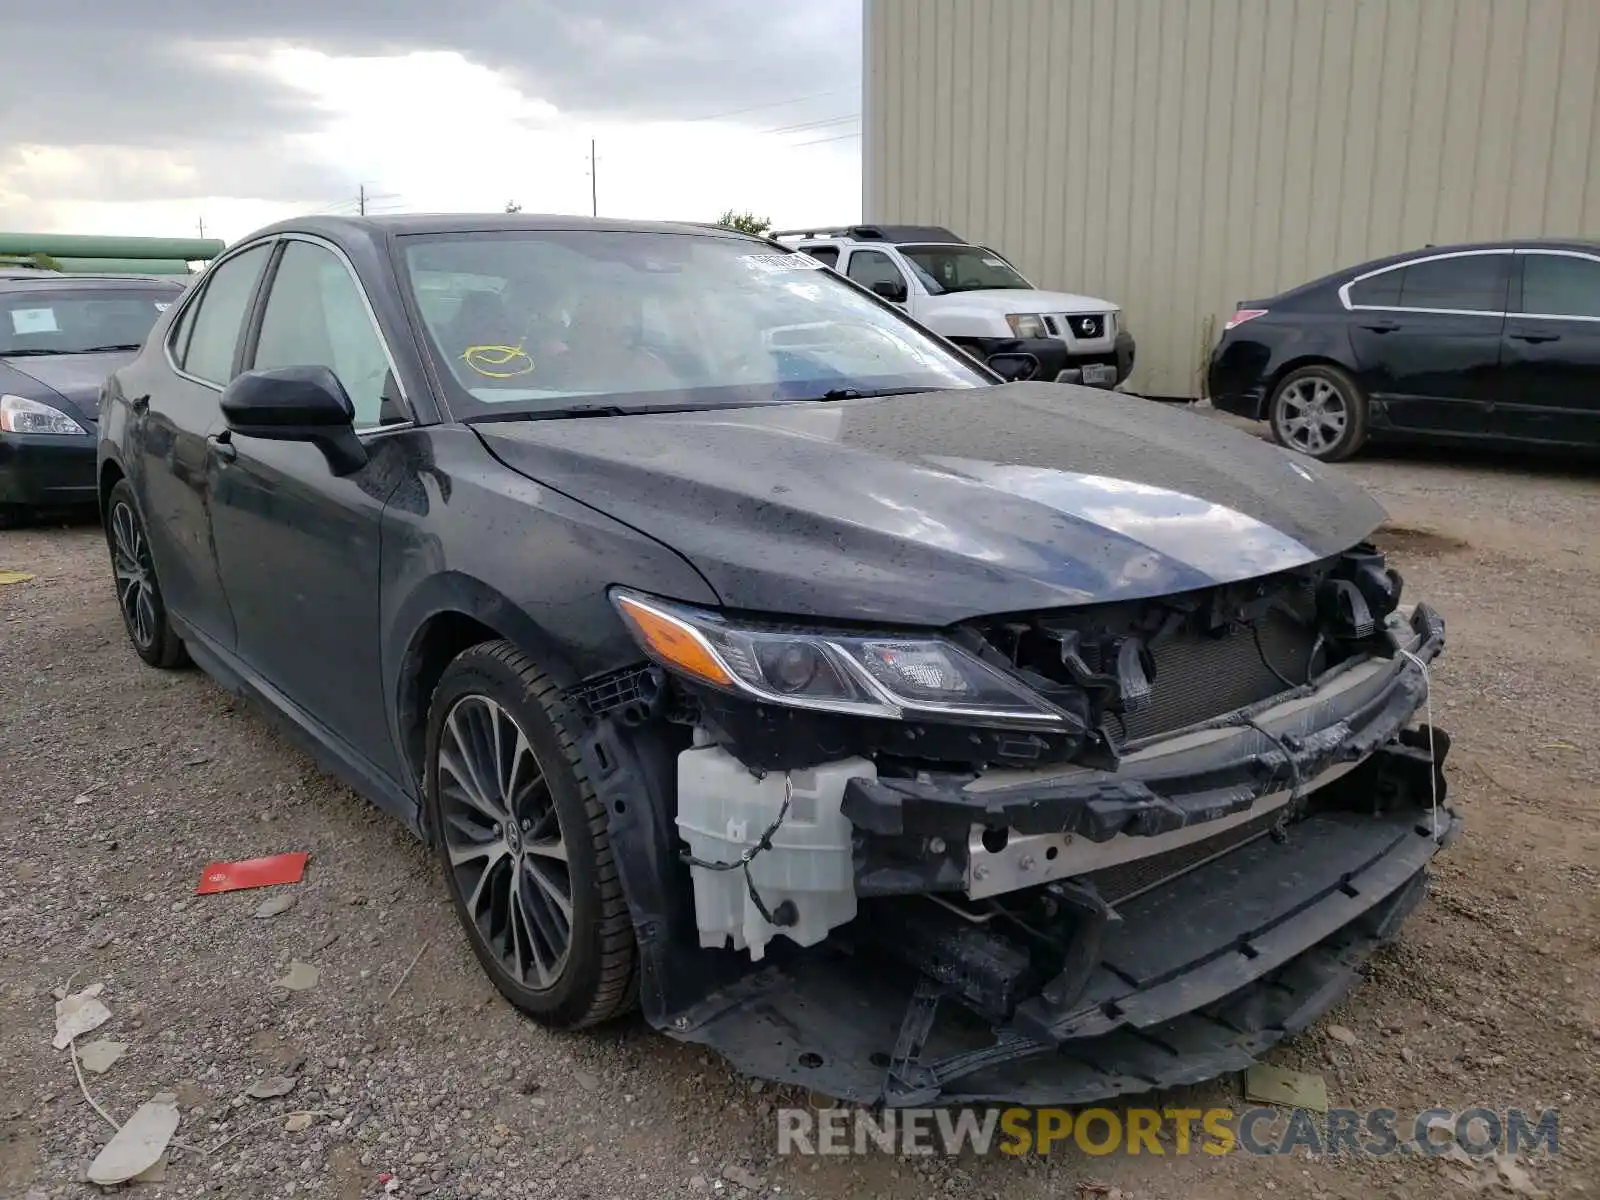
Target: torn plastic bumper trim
x=1152, y=974
x=1201, y=976
x=1189, y=778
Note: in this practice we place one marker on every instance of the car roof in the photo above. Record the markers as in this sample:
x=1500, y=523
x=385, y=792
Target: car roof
x=1344, y=275
x=1544, y=243
x=39, y=280
x=895, y=235
x=339, y=228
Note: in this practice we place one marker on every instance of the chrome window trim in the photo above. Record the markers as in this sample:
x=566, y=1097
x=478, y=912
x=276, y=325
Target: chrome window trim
x=1556, y=253
x=196, y=296
x=1344, y=290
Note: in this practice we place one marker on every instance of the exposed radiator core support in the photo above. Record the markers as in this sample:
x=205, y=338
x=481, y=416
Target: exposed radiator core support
x=805, y=880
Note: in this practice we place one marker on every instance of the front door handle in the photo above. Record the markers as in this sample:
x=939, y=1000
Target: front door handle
x=140, y=403
x=222, y=446
x=1536, y=338
x=1382, y=326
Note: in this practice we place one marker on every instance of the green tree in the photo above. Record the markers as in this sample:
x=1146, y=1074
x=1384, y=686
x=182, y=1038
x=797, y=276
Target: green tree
x=745, y=222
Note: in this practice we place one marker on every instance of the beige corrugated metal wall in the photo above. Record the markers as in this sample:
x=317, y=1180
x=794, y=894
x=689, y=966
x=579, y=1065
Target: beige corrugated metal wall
x=1176, y=156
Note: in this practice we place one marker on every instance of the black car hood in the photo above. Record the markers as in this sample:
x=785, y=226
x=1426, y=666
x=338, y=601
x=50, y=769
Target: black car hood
x=929, y=508
x=74, y=378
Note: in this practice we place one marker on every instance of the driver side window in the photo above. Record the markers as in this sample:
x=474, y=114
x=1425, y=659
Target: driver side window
x=876, y=270
x=315, y=316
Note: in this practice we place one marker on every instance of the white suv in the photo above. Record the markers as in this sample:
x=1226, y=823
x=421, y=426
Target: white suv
x=975, y=298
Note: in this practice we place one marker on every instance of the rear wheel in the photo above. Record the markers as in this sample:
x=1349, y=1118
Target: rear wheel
x=522, y=840
x=144, y=613
x=1320, y=411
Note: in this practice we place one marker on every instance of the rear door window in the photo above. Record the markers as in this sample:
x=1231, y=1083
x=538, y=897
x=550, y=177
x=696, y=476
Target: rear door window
x=1468, y=283
x=1560, y=285
x=1474, y=283
x=828, y=256
x=1378, y=291
x=219, y=314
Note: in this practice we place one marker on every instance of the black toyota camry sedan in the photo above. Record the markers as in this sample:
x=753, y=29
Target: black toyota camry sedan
x=1494, y=344
x=60, y=336
x=751, y=655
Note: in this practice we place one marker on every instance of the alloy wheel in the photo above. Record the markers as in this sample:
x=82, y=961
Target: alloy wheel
x=1312, y=415
x=135, y=573
x=504, y=841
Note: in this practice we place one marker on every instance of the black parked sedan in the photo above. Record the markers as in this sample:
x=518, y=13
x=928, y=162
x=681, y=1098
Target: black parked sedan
x=1493, y=344
x=60, y=336
x=747, y=654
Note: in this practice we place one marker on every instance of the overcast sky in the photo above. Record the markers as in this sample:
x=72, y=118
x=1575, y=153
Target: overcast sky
x=147, y=116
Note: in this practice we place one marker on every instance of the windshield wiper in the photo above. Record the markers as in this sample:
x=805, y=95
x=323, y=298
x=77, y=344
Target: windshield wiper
x=41, y=352
x=848, y=393
x=582, y=410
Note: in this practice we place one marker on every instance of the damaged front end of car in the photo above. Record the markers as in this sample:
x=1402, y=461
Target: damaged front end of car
x=1033, y=858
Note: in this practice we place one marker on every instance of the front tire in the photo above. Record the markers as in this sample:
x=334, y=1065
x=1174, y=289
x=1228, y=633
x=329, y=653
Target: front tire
x=144, y=612
x=1319, y=411
x=523, y=843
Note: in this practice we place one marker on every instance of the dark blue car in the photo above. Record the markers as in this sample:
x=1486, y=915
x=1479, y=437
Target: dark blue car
x=752, y=656
x=60, y=336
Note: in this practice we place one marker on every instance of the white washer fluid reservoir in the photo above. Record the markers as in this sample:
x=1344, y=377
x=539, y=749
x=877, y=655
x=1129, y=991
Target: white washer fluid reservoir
x=723, y=810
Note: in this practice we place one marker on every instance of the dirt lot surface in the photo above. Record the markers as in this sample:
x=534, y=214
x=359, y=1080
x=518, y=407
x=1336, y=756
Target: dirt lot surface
x=118, y=783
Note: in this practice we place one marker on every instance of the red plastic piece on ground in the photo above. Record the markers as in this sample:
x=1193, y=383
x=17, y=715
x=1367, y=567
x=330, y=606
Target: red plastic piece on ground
x=253, y=873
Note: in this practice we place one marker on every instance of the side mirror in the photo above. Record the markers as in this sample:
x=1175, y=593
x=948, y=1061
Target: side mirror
x=890, y=290
x=296, y=404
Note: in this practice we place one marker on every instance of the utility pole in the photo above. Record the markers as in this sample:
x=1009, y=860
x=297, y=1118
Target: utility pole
x=202, y=227
x=594, y=184
x=361, y=199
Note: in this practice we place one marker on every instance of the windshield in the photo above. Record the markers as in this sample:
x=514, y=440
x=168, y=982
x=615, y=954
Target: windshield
x=525, y=321
x=72, y=320
x=962, y=269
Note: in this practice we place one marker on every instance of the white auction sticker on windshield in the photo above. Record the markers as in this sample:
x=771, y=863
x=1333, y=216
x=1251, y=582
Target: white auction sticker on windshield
x=162, y=305
x=783, y=262
x=34, y=320
x=994, y=262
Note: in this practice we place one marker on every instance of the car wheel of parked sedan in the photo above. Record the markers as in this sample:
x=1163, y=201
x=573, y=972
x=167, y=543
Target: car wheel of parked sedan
x=523, y=842
x=144, y=614
x=1320, y=411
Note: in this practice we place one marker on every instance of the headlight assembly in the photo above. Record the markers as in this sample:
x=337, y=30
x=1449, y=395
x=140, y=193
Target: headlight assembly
x=18, y=414
x=866, y=675
x=1027, y=325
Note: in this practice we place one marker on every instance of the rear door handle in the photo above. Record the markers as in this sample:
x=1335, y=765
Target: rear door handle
x=1536, y=338
x=1382, y=326
x=222, y=447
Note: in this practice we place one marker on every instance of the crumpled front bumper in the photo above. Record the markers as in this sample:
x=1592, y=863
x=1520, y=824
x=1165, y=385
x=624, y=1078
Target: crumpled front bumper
x=920, y=835
x=1271, y=854
x=1201, y=976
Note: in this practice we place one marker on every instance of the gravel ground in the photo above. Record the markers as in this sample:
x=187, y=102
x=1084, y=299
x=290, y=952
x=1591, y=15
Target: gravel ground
x=119, y=783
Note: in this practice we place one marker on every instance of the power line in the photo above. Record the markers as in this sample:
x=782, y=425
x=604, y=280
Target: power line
x=365, y=198
x=840, y=138
x=734, y=112
x=812, y=124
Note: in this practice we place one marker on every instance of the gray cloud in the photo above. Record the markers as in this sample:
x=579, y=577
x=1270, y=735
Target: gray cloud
x=142, y=75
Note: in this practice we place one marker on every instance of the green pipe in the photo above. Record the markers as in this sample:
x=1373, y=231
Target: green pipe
x=93, y=246
x=122, y=266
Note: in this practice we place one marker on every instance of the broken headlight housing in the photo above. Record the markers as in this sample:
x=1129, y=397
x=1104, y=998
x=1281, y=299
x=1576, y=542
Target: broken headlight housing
x=871, y=675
